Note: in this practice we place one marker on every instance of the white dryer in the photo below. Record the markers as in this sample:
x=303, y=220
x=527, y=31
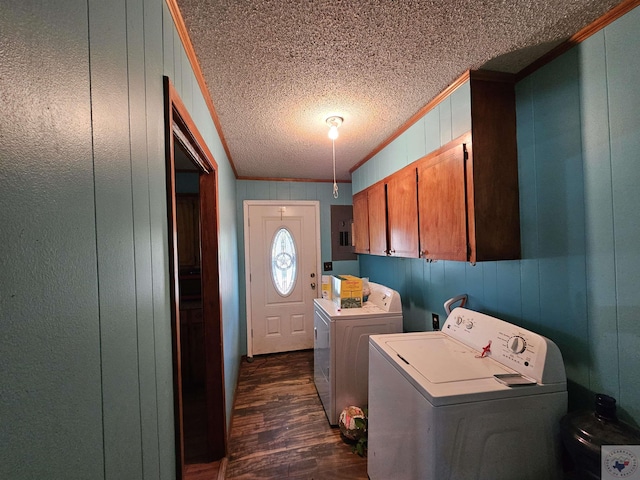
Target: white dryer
x=481, y=400
x=341, y=346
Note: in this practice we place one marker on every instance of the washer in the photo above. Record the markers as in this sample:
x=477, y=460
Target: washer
x=341, y=346
x=437, y=411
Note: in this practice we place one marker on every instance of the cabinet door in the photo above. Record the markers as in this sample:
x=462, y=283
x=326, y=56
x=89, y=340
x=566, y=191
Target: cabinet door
x=402, y=211
x=442, y=206
x=377, y=202
x=361, y=222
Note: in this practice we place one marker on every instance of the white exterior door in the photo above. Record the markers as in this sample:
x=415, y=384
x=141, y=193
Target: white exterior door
x=282, y=258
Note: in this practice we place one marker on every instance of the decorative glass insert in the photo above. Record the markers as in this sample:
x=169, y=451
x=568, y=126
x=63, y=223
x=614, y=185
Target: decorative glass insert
x=284, y=263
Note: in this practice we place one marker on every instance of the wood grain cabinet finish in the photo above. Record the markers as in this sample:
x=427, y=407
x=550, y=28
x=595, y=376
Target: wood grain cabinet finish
x=443, y=205
x=402, y=213
x=492, y=170
x=361, y=222
x=459, y=202
x=468, y=189
x=377, y=208
x=370, y=220
x=386, y=216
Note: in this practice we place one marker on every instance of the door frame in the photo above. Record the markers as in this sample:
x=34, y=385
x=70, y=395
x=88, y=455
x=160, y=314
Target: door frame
x=247, y=265
x=180, y=126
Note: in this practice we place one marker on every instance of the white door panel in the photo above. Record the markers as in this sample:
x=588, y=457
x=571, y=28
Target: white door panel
x=277, y=320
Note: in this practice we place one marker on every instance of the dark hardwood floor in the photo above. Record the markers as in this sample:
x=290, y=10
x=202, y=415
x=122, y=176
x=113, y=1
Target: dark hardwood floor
x=279, y=429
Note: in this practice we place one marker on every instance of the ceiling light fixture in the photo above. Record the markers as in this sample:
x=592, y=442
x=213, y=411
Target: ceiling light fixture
x=334, y=122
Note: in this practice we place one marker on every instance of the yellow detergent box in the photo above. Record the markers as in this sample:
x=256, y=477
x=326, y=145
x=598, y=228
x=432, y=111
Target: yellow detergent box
x=326, y=287
x=346, y=291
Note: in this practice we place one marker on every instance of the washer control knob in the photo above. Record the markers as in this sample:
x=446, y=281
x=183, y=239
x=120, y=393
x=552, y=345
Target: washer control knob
x=468, y=325
x=517, y=344
x=458, y=320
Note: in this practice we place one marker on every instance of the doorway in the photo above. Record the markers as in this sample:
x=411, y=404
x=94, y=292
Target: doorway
x=192, y=201
x=282, y=262
x=192, y=344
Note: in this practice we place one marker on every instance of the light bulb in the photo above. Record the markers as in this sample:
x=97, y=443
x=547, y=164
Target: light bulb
x=333, y=132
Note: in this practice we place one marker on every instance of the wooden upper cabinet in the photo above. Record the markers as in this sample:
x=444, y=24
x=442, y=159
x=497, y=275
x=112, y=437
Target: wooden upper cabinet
x=370, y=220
x=377, y=206
x=492, y=169
x=442, y=197
x=361, y=222
x=468, y=189
x=402, y=213
x=464, y=203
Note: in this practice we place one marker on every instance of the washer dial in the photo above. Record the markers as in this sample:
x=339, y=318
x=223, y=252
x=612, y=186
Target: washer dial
x=517, y=344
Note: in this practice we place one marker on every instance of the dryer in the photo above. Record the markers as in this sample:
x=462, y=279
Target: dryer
x=341, y=346
x=482, y=399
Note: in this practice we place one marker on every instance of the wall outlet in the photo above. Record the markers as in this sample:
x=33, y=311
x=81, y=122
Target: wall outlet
x=435, y=321
x=328, y=266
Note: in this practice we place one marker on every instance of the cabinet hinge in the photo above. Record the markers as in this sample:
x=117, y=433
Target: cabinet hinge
x=466, y=152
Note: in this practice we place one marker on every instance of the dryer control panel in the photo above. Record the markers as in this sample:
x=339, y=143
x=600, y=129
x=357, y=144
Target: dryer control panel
x=385, y=298
x=521, y=350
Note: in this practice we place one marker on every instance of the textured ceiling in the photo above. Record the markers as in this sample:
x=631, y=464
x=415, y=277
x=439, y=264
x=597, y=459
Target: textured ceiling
x=276, y=69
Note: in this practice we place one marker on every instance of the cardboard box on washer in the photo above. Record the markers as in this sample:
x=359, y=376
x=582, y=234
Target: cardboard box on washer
x=326, y=286
x=346, y=291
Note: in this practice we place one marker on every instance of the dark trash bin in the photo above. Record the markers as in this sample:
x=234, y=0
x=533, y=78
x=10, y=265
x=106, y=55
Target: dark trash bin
x=584, y=432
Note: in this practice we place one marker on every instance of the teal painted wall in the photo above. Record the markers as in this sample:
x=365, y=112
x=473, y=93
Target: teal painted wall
x=272, y=190
x=86, y=388
x=448, y=120
x=578, y=120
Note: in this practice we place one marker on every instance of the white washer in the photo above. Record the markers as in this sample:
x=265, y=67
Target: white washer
x=437, y=412
x=341, y=346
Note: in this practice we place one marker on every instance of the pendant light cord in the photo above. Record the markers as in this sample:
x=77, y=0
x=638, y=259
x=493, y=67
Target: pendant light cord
x=335, y=185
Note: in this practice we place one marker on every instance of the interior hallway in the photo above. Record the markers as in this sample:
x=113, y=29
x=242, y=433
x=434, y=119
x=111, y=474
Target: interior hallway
x=279, y=428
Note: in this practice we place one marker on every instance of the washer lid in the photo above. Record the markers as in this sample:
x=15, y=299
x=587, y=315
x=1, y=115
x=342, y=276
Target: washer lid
x=440, y=359
x=447, y=372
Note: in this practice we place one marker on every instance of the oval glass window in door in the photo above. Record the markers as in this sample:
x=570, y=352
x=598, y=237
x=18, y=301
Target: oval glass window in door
x=284, y=263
